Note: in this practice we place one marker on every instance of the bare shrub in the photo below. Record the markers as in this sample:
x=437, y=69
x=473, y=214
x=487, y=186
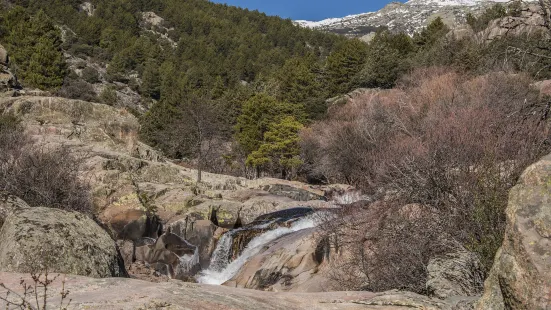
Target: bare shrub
x=34, y=296
x=74, y=88
x=449, y=142
x=41, y=176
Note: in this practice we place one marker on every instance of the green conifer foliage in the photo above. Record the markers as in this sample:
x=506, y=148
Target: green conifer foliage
x=34, y=44
x=298, y=81
x=430, y=35
x=343, y=64
x=280, y=148
x=258, y=114
x=46, y=67
x=481, y=22
x=387, y=59
x=151, y=80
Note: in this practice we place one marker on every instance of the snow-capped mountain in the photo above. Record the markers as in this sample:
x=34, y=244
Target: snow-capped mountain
x=407, y=17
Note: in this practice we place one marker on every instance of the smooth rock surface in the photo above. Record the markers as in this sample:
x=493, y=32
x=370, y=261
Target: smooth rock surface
x=123, y=294
x=290, y=263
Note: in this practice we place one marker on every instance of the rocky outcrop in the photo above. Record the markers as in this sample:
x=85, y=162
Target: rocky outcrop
x=521, y=277
x=36, y=239
x=171, y=255
x=129, y=178
x=3, y=56
x=529, y=21
x=407, y=17
x=7, y=79
x=131, y=182
x=10, y=204
x=455, y=274
x=199, y=233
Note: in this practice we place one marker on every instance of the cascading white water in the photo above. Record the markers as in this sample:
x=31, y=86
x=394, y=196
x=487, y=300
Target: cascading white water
x=217, y=275
x=221, y=256
x=188, y=262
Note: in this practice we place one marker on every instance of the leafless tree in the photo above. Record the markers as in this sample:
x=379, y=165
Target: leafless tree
x=201, y=131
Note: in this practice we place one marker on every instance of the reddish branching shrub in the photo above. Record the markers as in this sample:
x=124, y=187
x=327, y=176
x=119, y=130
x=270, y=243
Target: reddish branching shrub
x=453, y=143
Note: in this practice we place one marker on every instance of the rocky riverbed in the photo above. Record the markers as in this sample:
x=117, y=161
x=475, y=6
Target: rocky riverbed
x=246, y=236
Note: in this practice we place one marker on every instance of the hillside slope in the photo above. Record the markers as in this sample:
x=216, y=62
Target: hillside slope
x=132, y=53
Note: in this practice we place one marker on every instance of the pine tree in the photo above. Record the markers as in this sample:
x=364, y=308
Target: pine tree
x=280, y=148
x=35, y=47
x=343, y=64
x=388, y=58
x=151, y=81
x=257, y=115
x=431, y=34
x=297, y=81
x=46, y=67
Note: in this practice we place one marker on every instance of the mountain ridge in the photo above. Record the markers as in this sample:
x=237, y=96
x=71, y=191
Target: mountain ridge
x=407, y=17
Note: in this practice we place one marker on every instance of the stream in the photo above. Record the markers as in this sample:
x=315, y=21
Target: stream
x=223, y=269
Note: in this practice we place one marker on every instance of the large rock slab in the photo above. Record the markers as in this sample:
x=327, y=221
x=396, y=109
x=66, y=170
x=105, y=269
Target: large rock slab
x=122, y=294
x=521, y=275
x=36, y=239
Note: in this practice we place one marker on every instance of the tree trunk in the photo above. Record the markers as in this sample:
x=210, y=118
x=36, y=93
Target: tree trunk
x=546, y=7
x=199, y=174
x=199, y=168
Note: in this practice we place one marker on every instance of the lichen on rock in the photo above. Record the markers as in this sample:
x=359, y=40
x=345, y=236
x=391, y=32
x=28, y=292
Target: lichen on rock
x=40, y=239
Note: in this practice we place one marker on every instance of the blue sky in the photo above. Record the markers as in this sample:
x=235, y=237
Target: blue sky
x=309, y=9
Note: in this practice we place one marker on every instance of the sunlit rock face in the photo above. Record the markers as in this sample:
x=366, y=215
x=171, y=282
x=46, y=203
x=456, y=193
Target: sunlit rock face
x=520, y=277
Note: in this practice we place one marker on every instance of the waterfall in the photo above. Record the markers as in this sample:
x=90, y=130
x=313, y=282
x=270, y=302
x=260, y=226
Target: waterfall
x=221, y=270
x=188, y=262
x=221, y=256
